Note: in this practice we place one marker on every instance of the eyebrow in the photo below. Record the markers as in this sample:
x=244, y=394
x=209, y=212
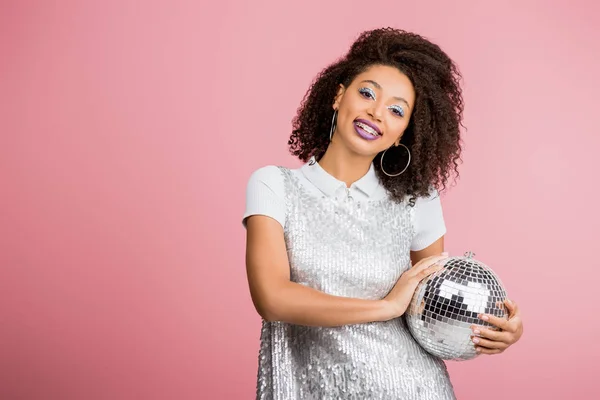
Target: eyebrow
x=378, y=86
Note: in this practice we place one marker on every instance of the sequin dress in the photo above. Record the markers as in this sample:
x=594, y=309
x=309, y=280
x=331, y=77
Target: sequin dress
x=354, y=249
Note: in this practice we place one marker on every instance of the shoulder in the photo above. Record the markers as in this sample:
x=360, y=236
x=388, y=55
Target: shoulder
x=428, y=220
x=268, y=172
x=429, y=206
x=432, y=197
x=265, y=194
x=270, y=177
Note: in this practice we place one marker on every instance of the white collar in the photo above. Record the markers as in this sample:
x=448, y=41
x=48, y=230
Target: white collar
x=329, y=185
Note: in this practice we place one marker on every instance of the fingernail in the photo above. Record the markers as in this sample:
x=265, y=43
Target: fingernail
x=475, y=340
x=478, y=349
x=485, y=317
x=509, y=301
x=476, y=331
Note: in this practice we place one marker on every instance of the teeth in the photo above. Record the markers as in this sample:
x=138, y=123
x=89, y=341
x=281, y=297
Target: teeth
x=367, y=129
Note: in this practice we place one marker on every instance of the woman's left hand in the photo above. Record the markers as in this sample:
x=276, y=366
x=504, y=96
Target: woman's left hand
x=488, y=341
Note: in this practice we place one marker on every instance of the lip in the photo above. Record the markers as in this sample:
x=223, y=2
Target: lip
x=363, y=134
x=369, y=123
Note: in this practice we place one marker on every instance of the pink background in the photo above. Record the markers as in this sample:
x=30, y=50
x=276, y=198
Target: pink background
x=129, y=130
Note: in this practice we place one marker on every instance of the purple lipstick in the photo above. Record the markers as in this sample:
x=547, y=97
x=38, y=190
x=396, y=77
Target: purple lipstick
x=366, y=129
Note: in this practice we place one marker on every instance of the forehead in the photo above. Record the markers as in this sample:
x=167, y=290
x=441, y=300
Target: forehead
x=392, y=81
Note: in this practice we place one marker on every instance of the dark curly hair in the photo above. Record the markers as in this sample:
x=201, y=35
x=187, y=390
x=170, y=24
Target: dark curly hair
x=433, y=132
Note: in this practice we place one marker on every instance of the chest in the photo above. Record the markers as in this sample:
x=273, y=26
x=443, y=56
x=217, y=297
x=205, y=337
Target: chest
x=347, y=248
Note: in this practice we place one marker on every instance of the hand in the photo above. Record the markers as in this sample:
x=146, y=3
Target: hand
x=399, y=297
x=488, y=341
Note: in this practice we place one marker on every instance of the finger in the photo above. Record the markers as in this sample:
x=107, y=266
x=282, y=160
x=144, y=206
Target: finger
x=515, y=325
x=500, y=305
x=489, y=344
x=512, y=307
x=427, y=262
x=432, y=269
x=488, y=333
x=496, y=321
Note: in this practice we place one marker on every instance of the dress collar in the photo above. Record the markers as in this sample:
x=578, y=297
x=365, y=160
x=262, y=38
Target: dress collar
x=329, y=185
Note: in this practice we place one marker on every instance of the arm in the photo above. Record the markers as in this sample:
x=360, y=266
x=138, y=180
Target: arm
x=435, y=248
x=488, y=341
x=276, y=298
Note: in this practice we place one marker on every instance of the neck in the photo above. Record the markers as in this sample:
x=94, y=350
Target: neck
x=345, y=166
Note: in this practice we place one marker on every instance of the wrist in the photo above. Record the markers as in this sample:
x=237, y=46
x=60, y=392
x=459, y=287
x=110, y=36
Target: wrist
x=388, y=310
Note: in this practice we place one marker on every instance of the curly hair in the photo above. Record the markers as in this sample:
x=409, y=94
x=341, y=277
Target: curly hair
x=433, y=132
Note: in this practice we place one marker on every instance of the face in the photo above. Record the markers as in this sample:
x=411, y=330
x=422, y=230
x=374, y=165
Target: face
x=374, y=110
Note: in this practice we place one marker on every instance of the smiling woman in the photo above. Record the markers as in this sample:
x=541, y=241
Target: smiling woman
x=417, y=84
x=336, y=248
x=366, y=100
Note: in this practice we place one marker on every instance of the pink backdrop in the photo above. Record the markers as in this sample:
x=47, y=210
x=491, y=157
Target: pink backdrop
x=129, y=130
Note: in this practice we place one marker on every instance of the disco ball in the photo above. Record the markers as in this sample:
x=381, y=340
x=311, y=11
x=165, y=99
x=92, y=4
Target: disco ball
x=447, y=303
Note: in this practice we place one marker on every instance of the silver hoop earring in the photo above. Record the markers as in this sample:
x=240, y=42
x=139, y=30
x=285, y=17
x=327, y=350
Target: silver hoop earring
x=399, y=173
x=333, y=124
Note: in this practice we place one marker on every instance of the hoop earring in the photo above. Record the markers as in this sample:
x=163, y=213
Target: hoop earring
x=333, y=124
x=401, y=172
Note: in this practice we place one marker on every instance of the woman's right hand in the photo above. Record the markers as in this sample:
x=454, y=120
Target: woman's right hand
x=401, y=294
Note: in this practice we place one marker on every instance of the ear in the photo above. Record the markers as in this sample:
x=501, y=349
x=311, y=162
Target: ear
x=338, y=97
x=397, y=142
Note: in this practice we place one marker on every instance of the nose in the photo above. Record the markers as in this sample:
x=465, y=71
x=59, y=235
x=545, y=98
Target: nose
x=376, y=110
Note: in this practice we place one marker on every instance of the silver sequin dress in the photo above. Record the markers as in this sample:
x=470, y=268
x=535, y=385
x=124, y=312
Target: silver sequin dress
x=353, y=249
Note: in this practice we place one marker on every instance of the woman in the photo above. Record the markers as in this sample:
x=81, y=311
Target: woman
x=336, y=248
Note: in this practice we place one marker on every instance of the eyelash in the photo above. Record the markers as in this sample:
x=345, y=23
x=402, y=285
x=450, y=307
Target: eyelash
x=366, y=92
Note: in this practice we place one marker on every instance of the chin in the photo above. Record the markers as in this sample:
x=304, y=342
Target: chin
x=363, y=148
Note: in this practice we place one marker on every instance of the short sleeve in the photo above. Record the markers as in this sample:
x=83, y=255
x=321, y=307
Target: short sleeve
x=265, y=194
x=429, y=221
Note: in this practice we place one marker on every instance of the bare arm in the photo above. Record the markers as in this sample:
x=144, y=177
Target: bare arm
x=435, y=248
x=276, y=298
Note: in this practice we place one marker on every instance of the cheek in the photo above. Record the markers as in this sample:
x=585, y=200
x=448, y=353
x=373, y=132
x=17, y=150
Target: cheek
x=349, y=109
x=347, y=115
x=397, y=128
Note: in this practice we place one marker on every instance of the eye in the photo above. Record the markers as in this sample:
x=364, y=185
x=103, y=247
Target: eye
x=399, y=111
x=367, y=92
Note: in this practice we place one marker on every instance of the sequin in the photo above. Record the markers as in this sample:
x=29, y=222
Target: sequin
x=354, y=249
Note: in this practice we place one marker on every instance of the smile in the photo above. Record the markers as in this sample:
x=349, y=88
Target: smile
x=366, y=130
